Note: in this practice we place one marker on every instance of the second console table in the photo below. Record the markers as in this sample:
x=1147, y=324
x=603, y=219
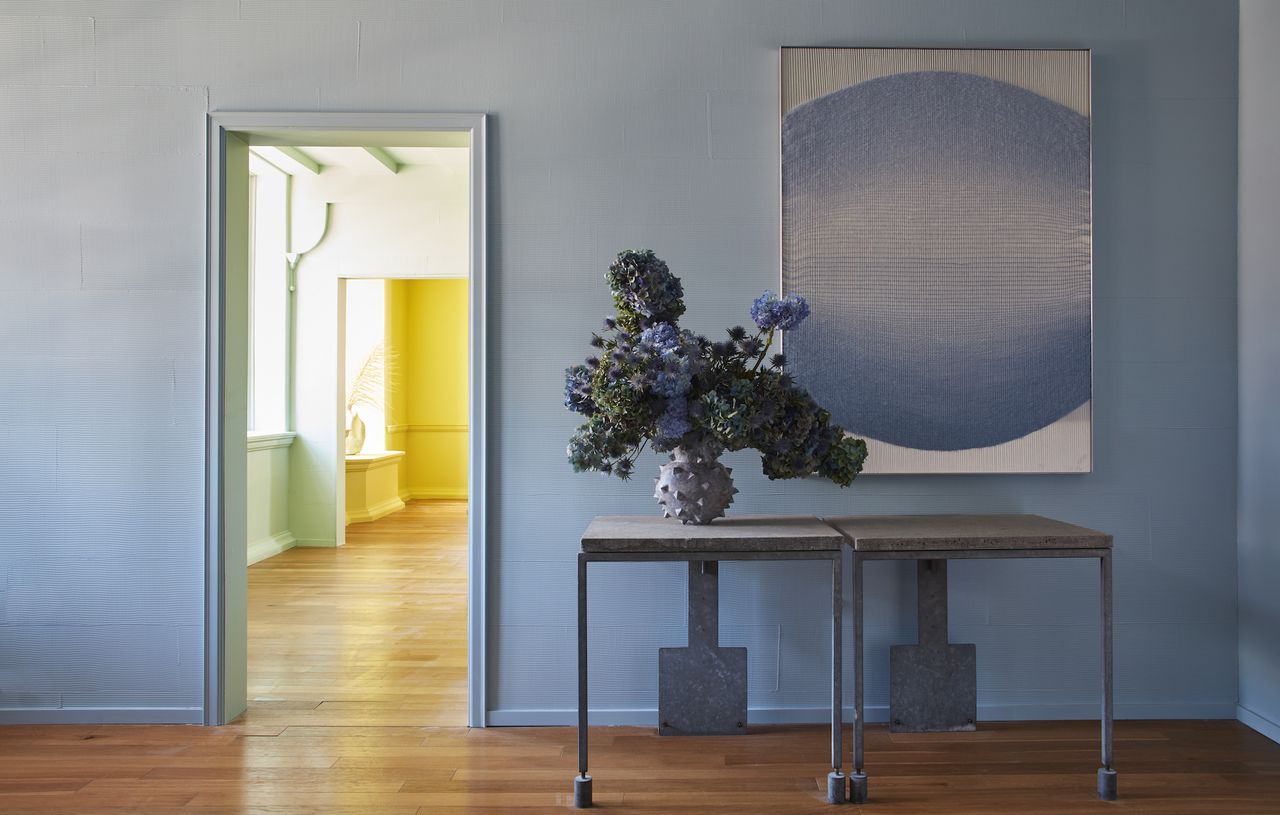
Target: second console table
x=932, y=684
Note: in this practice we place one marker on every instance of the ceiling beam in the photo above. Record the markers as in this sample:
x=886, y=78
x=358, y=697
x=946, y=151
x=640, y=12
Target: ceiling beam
x=302, y=158
x=384, y=158
x=289, y=159
x=256, y=154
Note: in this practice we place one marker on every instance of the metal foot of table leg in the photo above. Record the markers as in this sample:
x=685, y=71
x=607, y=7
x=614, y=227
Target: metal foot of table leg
x=857, y=788
x=835, y=788
x=582, y=791
x=1107, y=784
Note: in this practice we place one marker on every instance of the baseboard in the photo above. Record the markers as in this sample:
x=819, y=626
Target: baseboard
x=317, y=543
x=437, y=495
x=102, y=715
x=263, y=548
x=648, y=717
x=1258, y=722
x=373, y=513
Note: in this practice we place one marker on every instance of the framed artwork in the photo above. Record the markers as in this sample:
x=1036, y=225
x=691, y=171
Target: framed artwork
x=937, y=215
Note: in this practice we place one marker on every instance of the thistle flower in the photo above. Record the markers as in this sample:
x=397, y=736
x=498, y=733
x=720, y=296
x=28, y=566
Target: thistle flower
x=737, y=333
x=778, y=360
x=577, y=390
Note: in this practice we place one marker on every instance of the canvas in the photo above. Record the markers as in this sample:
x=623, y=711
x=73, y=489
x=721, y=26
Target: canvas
x=936, y=213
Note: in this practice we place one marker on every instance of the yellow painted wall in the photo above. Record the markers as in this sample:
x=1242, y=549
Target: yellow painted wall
x=427, y=334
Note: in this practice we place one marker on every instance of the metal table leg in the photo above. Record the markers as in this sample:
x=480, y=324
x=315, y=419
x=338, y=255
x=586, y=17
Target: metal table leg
x=835, y=779
x=702, y=688
x=858, y=778
x=933, y=685
x=1106, y=775
x=582, y=782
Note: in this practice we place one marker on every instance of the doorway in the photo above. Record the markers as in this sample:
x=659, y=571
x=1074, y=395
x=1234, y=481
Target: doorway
x=455, y=520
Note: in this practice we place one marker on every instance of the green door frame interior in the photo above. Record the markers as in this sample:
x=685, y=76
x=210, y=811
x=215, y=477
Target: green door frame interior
x=229, y=137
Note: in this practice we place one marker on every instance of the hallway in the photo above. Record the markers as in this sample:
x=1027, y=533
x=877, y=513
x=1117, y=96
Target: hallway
x=370, y=633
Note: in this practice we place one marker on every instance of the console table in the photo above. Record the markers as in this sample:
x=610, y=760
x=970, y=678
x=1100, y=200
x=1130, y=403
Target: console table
x=933, y=681
x=702, y=689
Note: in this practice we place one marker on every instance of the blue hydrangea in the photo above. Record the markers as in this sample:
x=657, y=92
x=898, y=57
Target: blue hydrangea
x=661, y=337
x=673, y=422
x=786, y=313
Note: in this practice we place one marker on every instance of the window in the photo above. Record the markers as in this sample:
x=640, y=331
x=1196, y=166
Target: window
x=366, y=360
x=268, y=300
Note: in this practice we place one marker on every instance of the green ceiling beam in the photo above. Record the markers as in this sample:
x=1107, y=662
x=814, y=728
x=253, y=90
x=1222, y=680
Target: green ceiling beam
x=384, y=158
x=302, y=158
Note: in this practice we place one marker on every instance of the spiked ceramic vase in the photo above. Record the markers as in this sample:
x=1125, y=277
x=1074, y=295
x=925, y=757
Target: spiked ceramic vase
x=694, y=486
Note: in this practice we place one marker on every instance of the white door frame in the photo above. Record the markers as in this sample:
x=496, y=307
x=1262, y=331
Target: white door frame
x=220, y=124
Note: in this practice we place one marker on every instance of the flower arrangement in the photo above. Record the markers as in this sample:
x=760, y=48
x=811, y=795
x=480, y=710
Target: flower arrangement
x=652, y=382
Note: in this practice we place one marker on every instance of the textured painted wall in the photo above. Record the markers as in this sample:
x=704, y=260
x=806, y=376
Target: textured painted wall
x=433, y=375
x=616, y=123
x=1259, y=378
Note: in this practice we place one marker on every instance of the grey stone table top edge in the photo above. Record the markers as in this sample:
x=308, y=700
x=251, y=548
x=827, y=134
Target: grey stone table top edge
x=959, y=532
x=641, y=533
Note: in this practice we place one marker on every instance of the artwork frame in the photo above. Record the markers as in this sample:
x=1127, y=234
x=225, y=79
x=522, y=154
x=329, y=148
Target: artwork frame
x=936, y=209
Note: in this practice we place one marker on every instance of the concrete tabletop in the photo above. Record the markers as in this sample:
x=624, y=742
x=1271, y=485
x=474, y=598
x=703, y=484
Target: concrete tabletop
x=892, y=533
x=644, y=533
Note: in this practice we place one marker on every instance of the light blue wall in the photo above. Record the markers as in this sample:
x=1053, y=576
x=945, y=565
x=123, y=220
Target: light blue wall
x=1259, y=372
x=666, y=139
x=616, y=123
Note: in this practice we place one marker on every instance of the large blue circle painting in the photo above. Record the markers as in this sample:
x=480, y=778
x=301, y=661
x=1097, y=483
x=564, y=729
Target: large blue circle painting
x=939, y=224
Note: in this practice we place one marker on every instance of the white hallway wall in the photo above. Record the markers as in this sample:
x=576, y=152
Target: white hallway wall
x=616, y=123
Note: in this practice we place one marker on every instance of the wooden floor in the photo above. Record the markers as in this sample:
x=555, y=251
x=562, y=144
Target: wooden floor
x=355, y=651
x=260, y=767
x=370, y=633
